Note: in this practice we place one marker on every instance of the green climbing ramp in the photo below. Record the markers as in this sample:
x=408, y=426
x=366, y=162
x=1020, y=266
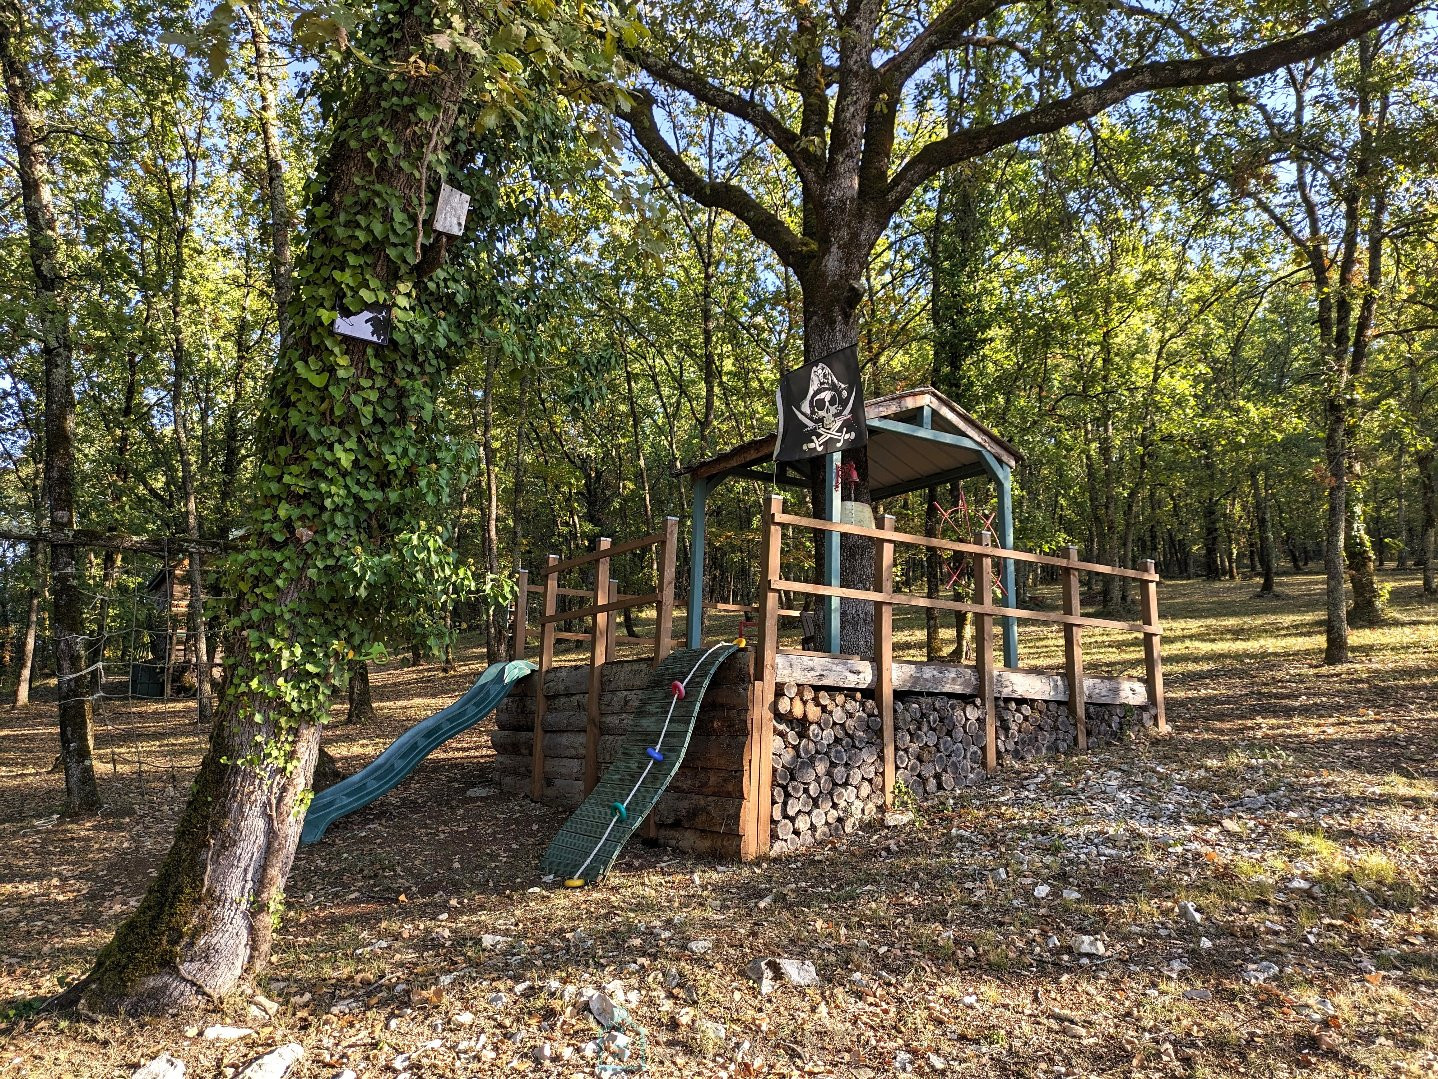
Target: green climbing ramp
x=591, y=839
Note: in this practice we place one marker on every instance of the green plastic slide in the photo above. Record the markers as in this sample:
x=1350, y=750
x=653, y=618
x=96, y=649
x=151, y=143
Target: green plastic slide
x=652, y=751
x=407, y=751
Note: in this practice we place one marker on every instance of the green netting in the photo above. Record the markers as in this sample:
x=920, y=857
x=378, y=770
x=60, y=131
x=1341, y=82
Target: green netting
x=589, y=832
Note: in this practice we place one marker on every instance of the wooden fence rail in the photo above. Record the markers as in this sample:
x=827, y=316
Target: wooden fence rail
x=603, y=600
x=759, y=765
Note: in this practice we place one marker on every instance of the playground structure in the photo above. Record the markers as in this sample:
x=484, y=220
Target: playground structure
x=783, y=746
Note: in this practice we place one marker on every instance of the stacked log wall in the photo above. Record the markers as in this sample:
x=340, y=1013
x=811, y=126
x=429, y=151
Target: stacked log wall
x=702, y=808
x=828, y=751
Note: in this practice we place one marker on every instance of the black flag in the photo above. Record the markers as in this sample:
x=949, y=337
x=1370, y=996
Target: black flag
x=821, y=408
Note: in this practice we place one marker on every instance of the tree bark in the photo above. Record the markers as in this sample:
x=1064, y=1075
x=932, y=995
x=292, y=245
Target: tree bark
x=281, y=260
x=1427, y=463
x=207, y=922
x=361, y=703
x=1335, y=453
x=1264, y=525
x=52, y=315
x=32, y=623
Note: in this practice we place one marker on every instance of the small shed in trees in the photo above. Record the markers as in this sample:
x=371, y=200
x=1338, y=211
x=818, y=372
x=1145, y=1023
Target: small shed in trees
x=165, y=598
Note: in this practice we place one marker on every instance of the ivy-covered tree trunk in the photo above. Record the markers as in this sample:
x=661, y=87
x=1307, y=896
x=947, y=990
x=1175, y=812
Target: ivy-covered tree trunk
x=1427, y=462
x=349, y=484
x=361, y=702
x=52, y=316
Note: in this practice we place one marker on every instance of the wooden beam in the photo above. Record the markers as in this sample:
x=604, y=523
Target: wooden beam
x=756, y=819
x=546, y=660
x=884, y=650
x=664, y=609
x=1152, y=650
x=598, y=652
x=984, y=654
x=1073, y=647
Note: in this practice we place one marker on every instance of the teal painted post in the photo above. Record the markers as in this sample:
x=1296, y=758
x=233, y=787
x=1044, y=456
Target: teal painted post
x=1006, y=538
x=831, y=553
x=694, y=617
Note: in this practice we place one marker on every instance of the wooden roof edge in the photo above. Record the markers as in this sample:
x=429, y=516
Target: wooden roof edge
x=965, y=421
x=762, y=448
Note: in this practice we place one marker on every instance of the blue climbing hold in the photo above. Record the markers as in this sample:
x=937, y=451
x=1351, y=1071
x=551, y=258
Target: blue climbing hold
x=655, y=755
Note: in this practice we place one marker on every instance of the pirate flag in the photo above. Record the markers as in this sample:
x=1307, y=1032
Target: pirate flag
x=821, y=408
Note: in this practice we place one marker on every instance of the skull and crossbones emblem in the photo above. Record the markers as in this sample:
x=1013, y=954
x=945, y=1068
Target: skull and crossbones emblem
x=826, y=410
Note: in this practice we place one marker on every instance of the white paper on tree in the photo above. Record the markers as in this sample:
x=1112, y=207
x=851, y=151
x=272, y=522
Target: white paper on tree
x=371, y=325
x=450, y=212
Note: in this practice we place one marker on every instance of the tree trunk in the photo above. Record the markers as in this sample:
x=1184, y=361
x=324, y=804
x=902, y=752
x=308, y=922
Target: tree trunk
x=1427, y=462
x=281, y=261
x=361, y=704
x=1401, y=525
x=32, y=623
x=1264, y=525
x=51, y=314
x=337, y=496
x=1335, y=452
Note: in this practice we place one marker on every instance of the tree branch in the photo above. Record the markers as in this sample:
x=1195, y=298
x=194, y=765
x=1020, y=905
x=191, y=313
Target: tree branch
x=1158, y=75
x=805, y=163
x=943, y=32
x=766, y=225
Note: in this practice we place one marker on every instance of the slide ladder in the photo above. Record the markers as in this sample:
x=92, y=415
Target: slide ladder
x=652, y=751
x=407, y=751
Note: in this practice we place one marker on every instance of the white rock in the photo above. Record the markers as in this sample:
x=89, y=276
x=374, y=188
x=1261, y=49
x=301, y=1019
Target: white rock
x=1042, y=891
x=221, y=1033
x=497, y=1000
x=700, y=947
x=1204, y=944
x=605, y=1011
x=1298, y=884
x=1084, y=945
x=163, y=1066
x=1190, y=913
x=348, y=1073
x=543, y=1052
x=616, y=1043
x=1072, y=893
x=479, y=792
x=713, y=1030
x=464, y=1018
x=798, y=972
x=903, y=1062
x=490, y=941
x=275, y=1064
x=898, y=818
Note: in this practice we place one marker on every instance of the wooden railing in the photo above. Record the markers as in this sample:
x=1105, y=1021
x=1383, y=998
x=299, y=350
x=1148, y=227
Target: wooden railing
x=602, y=636
x=759, y=767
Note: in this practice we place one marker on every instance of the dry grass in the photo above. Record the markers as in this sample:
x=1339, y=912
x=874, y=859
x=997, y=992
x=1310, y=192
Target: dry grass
x=954, y=958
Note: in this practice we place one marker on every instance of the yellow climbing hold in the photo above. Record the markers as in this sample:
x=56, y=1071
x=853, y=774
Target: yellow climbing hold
x=740, y=642
x=574, y=882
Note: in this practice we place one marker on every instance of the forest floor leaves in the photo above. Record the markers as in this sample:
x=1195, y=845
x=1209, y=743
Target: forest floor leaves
x=1254, y=895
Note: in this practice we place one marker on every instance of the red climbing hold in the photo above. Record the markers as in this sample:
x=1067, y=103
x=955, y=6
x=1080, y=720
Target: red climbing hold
x=677, y=688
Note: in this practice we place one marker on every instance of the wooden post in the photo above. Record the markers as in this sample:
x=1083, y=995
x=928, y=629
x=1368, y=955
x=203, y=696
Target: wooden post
x=1152, y=636
x=1073, y=648
x=984, y=651
x=757, y=812
x=884, y=649
x=520, y=628
x=664, y=612
x=546, y=660
x=610, y=642
x=598, y=650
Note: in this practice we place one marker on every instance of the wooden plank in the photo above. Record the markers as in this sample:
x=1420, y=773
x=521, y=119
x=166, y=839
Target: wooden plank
x=566, y=636
x=520, y=639
x=957, y=545
x=905, y=599
x=1152, y=653
x=954, y=678
x=1073, y=647
x=604, y=608
x=598, y=651
x=611, y=639
x=884, y=651
x=546, y=660
x=614, y=550
x=756, y=819
x=984, y=654
x=750, y=608
x=664, y=613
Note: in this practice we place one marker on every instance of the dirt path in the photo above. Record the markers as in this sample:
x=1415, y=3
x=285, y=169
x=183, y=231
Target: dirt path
x=1253, y=896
